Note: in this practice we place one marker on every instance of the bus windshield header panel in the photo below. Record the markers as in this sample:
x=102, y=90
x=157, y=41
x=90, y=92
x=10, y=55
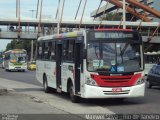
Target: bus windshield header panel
x=114, y=35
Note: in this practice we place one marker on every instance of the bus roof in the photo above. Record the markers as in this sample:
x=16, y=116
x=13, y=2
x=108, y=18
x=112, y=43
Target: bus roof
x=78, y=33
x=15, y=51
x=62, y=35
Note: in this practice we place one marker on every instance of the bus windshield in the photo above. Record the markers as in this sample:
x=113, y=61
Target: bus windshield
x=113, y=57
x=18, y=57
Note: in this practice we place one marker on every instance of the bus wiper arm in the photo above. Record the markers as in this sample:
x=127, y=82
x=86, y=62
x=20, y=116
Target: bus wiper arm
x=124, y=48
x=98, y=57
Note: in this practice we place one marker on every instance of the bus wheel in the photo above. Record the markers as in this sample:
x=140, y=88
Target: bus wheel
x=148, y=83
x=8, y=70
x=74, y=98
x=45, y=84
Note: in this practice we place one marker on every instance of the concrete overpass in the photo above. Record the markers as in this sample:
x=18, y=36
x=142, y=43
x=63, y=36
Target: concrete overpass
x=29, y=27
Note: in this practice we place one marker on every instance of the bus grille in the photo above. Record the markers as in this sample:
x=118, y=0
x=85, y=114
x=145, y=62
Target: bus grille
x=116, y=81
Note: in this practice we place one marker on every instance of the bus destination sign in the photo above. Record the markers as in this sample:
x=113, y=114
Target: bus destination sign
x=113, y=35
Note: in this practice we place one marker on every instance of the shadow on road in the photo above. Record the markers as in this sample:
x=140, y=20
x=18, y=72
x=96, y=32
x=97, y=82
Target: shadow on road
x=102, y=102
x=115, y=102
x=28, y=89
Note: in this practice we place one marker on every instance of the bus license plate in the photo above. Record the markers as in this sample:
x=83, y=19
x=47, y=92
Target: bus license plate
x=116, y=89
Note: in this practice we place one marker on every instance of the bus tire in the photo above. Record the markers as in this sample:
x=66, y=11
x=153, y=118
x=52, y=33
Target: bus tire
x=45, y=84
x=8, y=70
x=74, y=98
x=149, y=85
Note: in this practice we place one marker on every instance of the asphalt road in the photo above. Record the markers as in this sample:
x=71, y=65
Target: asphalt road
x=26, y=77
x=147, y=105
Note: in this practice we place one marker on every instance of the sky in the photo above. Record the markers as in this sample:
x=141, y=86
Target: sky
x=8, y=10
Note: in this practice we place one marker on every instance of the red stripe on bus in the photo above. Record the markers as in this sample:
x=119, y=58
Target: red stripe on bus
x=116, y=81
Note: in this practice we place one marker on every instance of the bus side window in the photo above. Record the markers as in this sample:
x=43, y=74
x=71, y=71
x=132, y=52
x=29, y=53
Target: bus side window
x=71, y=50
x=45, y=52
x=49, y=50
x=53, y=49
x=65, y=50
x=39, y=53
x=7, y=57
x=68, y=50
x=43, y=49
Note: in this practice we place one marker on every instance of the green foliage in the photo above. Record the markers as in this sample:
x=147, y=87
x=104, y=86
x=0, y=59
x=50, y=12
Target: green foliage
x=18, y=44
x=112, y=16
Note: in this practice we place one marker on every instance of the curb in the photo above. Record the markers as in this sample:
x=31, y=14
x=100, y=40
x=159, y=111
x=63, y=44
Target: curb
x=3, y=90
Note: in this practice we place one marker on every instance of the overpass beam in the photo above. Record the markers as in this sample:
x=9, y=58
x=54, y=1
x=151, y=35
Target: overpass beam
x=144, y=7
x=130, y=10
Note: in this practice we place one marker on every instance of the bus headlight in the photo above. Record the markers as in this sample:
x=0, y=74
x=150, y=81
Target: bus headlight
x=90, y=81
x=140, y=81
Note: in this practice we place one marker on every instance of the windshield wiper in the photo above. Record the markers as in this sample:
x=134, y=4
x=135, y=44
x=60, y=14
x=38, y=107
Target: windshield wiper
x=95, y=50
x=100, y=55
x=124, y=48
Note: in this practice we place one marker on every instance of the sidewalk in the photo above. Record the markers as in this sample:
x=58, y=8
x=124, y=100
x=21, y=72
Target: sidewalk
x=3, y=90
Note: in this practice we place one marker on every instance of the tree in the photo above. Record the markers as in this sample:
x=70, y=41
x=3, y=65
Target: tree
x=112, y=16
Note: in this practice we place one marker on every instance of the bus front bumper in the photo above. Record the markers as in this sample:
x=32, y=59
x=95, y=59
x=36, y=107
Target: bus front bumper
x=17, y=67
x=106, y=92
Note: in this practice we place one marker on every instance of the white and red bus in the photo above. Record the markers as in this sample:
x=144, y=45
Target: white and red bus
x=102, y=63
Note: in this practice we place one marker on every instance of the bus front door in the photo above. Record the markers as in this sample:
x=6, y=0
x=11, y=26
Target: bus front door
x=77, y=61
x=58, y=65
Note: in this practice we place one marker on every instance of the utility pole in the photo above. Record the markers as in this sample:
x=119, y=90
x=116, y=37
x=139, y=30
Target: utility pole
x=58, y=15
x=124, y=14
x=32, y=40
